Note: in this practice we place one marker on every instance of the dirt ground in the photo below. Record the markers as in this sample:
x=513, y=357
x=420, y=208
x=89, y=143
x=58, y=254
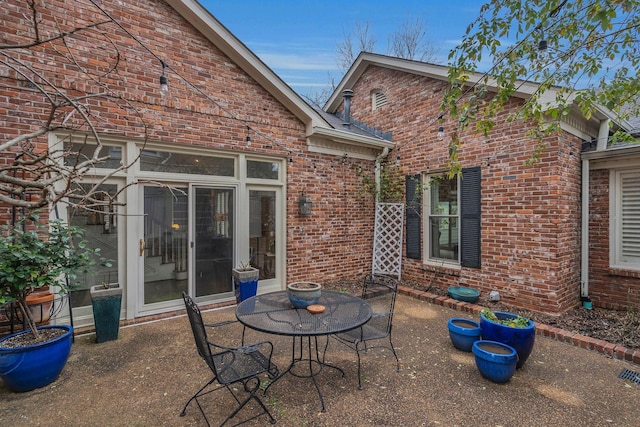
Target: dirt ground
x=145, y=377
x=615, y=327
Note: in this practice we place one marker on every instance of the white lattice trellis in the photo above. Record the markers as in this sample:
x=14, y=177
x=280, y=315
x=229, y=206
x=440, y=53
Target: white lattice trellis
x=387, y=239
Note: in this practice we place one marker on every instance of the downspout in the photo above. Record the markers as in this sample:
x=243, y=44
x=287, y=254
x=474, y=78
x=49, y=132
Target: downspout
x=603, y=135
x=584, y=249
x=603, y=138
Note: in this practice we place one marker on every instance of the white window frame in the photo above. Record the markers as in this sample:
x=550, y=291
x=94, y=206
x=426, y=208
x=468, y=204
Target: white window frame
x=618, y=198
x=426, y=224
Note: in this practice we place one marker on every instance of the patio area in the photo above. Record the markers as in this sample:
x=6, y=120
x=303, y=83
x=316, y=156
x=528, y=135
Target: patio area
x=145, y=377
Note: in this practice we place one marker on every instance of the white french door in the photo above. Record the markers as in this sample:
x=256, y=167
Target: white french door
x=186, y=244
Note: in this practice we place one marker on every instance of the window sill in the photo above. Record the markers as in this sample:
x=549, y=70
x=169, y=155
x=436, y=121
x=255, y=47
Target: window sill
x=442, y=268
x=624, y=272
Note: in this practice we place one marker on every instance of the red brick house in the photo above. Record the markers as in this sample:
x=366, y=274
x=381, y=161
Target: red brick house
x=543, y=236
x=220, y=159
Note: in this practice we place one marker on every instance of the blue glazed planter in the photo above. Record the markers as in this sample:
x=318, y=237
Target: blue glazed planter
x=304, y=294
x=27, y=368
x=463, y=332
x=522, y=339
x=495, y=361
x=245, y=283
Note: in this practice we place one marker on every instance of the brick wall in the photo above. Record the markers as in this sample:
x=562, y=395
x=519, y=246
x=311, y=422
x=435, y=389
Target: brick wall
x=608, y=287
x=334, y=242
x=530, y=215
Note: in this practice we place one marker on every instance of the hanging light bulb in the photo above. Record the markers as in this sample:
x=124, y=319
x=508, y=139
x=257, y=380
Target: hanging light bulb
x=441, y=131
x=543, y=51
x=164, y=84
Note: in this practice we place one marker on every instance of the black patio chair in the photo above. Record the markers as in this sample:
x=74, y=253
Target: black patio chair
x=241, y=365
x=380, y=292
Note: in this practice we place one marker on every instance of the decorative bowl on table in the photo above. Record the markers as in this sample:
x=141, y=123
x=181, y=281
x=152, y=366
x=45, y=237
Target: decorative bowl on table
x=462, y=293
x=303, y=294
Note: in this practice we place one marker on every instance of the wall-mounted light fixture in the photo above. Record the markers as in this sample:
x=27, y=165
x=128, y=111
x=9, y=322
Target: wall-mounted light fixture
x=305, y=205
x=441, y=126
x=164, y=84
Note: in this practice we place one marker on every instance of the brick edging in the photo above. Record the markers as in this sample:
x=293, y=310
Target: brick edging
x=600, y=346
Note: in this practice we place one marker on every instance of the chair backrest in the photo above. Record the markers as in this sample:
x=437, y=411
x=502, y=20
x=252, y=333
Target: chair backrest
x=199, y=331
x=380, y=292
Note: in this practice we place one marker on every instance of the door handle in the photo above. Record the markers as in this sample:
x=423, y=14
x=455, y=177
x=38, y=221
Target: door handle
x=142, y=247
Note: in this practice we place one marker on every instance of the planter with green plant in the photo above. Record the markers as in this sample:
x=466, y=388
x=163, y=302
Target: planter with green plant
x=34, y=255
x=510, y=329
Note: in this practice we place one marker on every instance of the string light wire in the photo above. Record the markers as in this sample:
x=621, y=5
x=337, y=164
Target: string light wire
x=230, y=114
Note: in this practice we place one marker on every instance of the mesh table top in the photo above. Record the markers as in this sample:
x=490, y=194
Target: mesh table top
x=274, y=314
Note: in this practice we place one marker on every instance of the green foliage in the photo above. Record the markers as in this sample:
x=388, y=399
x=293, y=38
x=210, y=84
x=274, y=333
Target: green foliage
x=391, y=189
x=33, y=255
x=516, y=322
x=591, y=60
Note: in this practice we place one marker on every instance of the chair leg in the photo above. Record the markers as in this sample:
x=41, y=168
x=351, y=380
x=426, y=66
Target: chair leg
x=252, y=390
x=195, y=397
x=395, y=354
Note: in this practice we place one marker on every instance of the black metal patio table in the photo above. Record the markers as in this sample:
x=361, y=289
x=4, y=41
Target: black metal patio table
x=273, y=313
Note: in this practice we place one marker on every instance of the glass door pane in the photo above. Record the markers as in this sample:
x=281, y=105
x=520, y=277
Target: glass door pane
x=213, y=234
x=100, y=224
x=165, y=242
x=262, y=232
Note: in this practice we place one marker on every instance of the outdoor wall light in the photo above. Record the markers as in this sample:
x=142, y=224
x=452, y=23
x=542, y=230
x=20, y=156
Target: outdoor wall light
x=164, y=84
x=305, y=205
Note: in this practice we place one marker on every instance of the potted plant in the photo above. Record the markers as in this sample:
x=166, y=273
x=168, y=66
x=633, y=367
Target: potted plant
x=511, y=329
x=245, y=281
x=33, y=256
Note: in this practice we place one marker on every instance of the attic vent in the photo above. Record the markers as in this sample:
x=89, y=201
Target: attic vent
x=378, y=99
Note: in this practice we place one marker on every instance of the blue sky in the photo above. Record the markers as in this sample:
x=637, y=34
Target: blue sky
x=298, y=39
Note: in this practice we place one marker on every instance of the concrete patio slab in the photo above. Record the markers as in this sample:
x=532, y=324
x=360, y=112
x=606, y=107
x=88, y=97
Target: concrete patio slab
x=145, y=377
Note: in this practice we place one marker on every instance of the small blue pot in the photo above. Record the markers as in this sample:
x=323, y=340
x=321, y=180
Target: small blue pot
x=34, y=366
x=463, y=332
x=495, y=361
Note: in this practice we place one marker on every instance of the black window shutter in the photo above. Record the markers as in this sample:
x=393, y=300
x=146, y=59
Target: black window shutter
x=413, y=213
x=470, y=217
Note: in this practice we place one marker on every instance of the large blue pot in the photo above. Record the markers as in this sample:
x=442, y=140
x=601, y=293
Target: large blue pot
x=521, y=339
x=35, y=366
